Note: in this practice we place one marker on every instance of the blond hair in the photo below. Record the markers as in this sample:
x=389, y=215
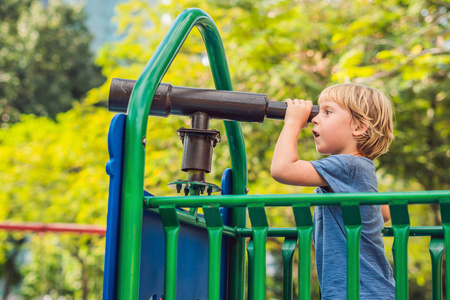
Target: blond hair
x=367, y=106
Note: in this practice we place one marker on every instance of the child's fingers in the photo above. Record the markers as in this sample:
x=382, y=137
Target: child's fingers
x=299, y=102
x=302, y=102
x=297, y=112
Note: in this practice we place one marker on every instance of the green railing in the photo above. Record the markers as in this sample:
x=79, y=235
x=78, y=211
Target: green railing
x=133, y=186
x=301, y=234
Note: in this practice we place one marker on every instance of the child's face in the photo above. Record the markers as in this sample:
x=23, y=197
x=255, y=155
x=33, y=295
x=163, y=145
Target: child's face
x=333, y=130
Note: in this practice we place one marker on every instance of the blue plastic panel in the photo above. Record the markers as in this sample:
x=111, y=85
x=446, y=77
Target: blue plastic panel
x=114, y=170
x=192, y=268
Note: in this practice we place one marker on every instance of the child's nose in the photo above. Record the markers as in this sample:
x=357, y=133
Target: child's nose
x=315, y=120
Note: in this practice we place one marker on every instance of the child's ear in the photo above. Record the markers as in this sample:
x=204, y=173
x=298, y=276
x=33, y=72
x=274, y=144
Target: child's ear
x=359, y=128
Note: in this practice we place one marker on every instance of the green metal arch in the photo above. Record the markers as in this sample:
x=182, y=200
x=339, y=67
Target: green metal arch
x=135, y=137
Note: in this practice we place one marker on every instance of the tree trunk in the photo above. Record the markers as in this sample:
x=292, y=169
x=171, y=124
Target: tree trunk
x=84, y=276
x=11, y=267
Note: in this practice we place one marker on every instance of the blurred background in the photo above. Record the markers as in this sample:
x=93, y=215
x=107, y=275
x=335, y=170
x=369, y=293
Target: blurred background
x=57, y=59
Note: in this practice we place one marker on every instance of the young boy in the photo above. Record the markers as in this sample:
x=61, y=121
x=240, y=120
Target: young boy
x=354, y=126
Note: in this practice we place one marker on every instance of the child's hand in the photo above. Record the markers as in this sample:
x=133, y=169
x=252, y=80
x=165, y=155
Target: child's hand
x=297, y=112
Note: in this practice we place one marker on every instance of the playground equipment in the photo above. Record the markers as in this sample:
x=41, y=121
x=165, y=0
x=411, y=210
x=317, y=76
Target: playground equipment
x=155, y=250
x=200, y=105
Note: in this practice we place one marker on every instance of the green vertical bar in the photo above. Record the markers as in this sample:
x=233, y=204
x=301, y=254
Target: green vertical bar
x=445, y=216
x=400, y=226
x=238, y=155
x=238, y=215
x=436, y=253
x=288, y=250
x=251, y=269
x=304, y=223
x=171, y=229
x=134, y=151
x=352, y=223
x=260, y=228
x=214, y=226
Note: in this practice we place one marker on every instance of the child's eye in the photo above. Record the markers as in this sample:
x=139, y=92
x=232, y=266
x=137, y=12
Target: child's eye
x=327, y=112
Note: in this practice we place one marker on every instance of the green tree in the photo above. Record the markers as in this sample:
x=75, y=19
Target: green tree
x=45, y=66
x=404, y=49
x=45, y=60
x=54, y=171
x=280, y=48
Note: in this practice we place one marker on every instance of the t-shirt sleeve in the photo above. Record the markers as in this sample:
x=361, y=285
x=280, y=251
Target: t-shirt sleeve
x=335, y=171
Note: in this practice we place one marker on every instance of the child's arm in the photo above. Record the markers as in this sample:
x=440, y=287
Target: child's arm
x=386, y=213
x=286, y=166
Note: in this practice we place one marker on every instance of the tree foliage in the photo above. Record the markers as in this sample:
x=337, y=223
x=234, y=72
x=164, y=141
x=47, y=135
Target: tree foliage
x=279, y=48
x=45, y=66
x=295, y=49
x=54, y=171
x=404, y=49
x=45, y=60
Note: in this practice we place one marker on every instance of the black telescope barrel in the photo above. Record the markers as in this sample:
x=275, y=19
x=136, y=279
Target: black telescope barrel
x=185, y=101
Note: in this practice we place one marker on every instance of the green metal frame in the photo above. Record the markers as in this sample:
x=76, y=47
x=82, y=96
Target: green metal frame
x=301, y=205
x=134, y=202
x=134, y=152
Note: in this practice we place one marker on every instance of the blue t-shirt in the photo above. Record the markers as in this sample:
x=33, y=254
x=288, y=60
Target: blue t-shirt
x=346, y=173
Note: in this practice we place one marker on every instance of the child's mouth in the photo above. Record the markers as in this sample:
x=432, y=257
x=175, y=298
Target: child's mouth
x=315, y=134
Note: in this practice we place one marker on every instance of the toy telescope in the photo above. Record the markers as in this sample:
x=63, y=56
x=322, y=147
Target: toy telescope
x=217, y=104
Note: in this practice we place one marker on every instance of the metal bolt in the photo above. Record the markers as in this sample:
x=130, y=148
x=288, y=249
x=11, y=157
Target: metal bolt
x=144, y=141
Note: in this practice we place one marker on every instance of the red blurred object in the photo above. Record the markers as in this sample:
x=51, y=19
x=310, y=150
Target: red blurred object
x=54, y=227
